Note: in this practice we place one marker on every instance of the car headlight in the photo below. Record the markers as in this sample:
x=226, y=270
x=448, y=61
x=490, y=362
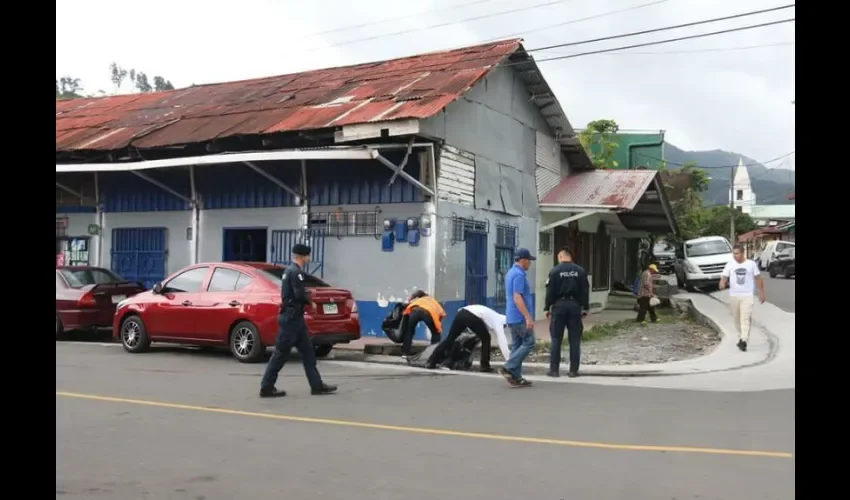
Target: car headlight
x=692, y=267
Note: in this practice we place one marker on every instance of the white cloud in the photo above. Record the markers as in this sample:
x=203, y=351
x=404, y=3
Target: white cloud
x=734, y=100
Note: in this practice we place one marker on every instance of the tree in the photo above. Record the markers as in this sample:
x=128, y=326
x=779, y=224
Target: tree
x=139, y=79
x=68, y=88
x=683, y=189
x=597, y=141
x=717, y=219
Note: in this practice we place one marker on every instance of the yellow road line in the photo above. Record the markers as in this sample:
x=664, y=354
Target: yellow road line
x=431, y=432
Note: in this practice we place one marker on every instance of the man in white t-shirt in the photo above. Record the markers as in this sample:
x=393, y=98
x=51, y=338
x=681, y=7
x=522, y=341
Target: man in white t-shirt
x=484, y=323
x=743, y=277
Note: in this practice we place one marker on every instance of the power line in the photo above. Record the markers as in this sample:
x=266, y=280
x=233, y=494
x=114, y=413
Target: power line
x=441, y=66
x=574, y=21
x=443, y=24
x=758, y=163
x=397, y=18
x=666, y=28
x=696, y=51
x=554, y=2
x=669, y=40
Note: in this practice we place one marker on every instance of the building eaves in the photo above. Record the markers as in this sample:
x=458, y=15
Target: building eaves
x=604, y=188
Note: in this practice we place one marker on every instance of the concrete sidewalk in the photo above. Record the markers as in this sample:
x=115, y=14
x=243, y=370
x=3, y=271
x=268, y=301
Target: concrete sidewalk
x=713, y=309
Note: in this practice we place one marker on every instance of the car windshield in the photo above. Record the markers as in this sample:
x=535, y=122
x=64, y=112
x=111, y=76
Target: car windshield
x=711, y=247
x=79, y=278
x=662, y=249
x=275, y=275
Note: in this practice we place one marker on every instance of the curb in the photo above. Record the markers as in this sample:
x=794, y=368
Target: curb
x=388, y=354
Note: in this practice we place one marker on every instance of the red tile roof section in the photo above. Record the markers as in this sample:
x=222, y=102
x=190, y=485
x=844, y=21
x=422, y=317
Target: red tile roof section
x=620, y=188
x=409, y=88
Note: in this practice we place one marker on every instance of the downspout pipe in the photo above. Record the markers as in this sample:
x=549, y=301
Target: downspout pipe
x=645, y=144
x=196, y=216
x=99, y=221
x=433, y=214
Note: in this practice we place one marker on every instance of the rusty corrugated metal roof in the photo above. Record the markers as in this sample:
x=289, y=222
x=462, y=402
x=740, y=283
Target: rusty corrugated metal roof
x=409, y=88
x=620, y=188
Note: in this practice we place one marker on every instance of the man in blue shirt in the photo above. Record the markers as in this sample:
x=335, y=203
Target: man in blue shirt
x=519, y=318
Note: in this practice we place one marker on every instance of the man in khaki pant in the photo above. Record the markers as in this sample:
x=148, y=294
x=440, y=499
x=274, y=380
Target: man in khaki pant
x=743, y=277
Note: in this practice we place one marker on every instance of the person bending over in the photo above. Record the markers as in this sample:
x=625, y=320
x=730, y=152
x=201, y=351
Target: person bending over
x=421, y=308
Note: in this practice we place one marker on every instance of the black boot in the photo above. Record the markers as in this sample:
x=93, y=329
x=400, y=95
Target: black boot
x=272, y=393
x=324, y=389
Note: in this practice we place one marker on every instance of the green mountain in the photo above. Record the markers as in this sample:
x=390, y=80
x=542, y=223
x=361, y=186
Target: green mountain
x=771, y=185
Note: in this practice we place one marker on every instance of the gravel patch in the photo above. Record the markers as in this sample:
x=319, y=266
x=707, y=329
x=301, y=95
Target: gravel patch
x=653, y=343
x=674, y=338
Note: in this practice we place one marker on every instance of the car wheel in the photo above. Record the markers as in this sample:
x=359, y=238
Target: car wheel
x=134, y=335
x=60, y=330
x=245, y=343
x=772, y=273
x=323, y=350
x=689, y=286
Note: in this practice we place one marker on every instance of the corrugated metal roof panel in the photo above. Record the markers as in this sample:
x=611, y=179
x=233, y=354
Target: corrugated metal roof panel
x=620, y=188
x=408, y=88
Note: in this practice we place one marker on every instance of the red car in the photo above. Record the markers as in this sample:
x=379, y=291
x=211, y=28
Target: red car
x=86, y=297
x=233, y=304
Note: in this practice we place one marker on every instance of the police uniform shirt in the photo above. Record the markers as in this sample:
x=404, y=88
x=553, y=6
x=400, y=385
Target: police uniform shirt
x=293, y=293
x=567, y=280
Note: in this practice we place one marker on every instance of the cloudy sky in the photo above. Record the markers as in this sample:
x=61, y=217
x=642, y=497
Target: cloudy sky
x=731, y=91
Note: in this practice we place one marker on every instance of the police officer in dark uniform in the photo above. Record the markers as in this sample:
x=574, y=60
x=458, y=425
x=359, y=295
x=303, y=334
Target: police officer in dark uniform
x=567, y=300
x=293, y=330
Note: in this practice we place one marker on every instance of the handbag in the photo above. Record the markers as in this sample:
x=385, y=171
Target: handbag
x=653, y=301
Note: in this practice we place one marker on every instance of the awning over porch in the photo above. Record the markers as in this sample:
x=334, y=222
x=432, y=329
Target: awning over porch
x=633, y=199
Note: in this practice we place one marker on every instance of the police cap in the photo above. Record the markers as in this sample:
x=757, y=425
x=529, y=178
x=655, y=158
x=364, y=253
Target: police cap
x=300, y=249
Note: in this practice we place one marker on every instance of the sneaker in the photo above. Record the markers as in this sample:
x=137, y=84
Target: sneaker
x=742, y=345
x=324, y=389
x=508, y=376
x=573, y=374
x=522, y=383
x=272, y=393
x=485, y=369
x=553, y=374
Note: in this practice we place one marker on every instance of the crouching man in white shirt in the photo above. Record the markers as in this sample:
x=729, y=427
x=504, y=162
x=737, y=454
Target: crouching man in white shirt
x=743, y=277
x=485, y=323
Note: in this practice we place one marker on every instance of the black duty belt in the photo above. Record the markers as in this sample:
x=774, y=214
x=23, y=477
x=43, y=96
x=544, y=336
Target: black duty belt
x=567, y=298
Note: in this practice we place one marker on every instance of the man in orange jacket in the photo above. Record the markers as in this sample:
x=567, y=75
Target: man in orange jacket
x=421, y=308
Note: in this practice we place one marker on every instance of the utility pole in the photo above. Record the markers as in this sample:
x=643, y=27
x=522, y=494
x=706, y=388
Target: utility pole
x=732, y=237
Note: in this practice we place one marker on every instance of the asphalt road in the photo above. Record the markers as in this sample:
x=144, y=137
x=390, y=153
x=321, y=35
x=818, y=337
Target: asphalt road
x=187, y=424
x=781, y=292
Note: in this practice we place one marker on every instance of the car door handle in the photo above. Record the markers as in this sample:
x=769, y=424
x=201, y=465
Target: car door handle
x=234, y=303
x=187, y=303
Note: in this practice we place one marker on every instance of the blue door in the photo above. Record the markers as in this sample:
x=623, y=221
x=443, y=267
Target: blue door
x=139, y=254
x=476, y=268
x=284, y=240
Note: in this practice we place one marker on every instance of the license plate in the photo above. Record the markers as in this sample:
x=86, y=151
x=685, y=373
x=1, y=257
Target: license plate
x=330, y=309
x=118, y=298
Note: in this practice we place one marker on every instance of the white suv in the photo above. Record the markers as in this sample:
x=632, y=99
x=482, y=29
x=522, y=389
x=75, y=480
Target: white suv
x=700, y=261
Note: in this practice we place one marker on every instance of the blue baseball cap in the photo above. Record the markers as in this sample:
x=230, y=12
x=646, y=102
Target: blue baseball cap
x=523, y=253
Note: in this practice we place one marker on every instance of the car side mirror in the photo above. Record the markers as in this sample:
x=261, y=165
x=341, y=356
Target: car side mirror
x=157, y=289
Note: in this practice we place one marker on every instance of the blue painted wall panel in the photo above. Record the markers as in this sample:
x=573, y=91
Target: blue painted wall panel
x=237, y=186
x=125, y=192
x=361, y=183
